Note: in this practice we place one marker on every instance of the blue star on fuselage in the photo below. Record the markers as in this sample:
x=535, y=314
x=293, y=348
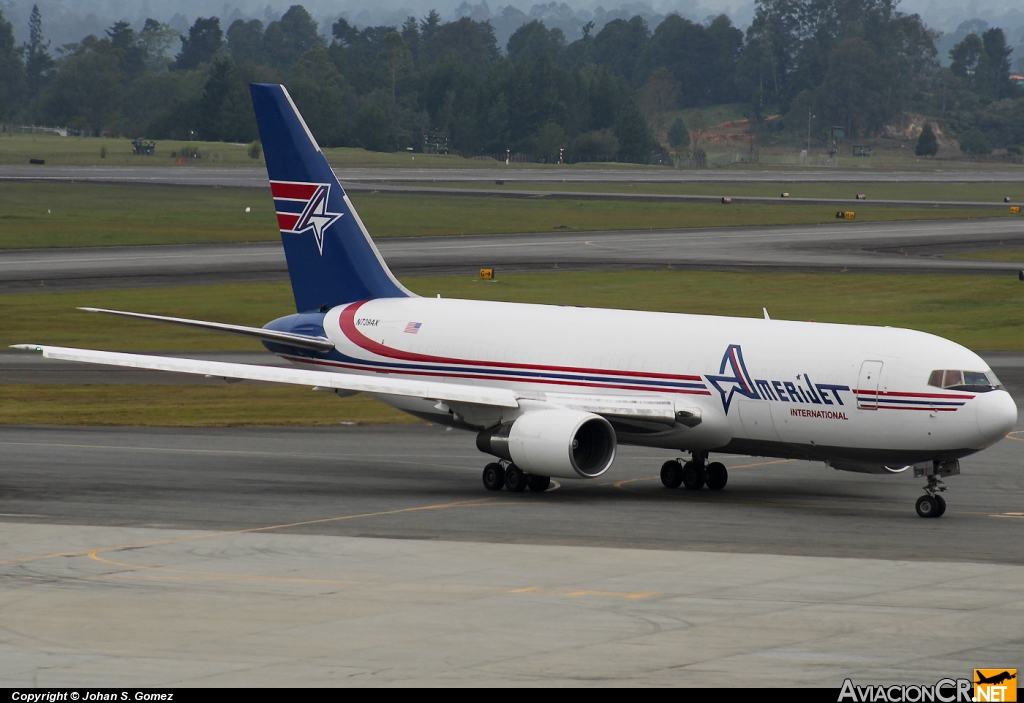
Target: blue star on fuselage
x=315, y=216
x=738, y=382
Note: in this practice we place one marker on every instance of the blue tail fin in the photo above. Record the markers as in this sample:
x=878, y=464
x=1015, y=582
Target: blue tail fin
x=331, y=258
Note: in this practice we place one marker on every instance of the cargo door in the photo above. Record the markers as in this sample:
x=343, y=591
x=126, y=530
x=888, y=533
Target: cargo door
x=756, y=417
x=868, y=384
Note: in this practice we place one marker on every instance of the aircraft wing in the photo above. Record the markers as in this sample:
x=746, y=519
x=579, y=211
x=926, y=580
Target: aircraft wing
x=643, y=408
x=302, y=341
x=480, y=395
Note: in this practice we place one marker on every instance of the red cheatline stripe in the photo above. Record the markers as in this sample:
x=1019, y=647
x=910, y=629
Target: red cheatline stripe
x=939, y=396
x=479, y=376
x=286, y=221
x=299, y=191
x=348, y=327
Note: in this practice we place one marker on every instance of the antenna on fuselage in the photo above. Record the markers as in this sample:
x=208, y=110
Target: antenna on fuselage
x=766, y=313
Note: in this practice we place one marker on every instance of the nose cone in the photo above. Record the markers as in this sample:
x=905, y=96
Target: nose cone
x=997, y=415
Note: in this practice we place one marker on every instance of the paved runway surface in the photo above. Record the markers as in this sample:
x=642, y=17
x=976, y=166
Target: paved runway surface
x=374, y=556
x=239, y=479
x=257, y=177
x=887, y=246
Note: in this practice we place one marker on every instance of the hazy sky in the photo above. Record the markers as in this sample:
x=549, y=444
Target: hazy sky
x=70, y=20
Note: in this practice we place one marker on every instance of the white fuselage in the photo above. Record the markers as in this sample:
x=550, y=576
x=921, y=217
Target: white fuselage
x=776, y=387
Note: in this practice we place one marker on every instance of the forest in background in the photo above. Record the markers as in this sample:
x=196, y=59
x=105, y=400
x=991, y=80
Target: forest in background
x=802, y=66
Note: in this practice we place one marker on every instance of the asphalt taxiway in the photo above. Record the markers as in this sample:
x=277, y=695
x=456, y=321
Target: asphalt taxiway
x=374, y=556
x=895, y=247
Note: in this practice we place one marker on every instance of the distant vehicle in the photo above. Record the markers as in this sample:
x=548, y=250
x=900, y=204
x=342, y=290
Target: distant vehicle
x=550, y=391
x=144, y=147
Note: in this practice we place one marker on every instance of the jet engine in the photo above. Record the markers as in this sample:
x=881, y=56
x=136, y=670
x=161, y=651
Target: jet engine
x=560, y=443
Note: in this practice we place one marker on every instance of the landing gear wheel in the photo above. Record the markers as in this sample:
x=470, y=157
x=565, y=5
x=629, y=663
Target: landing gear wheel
x=694, y=476
x=538, y=484
x=671, y=474
x=515, y=479
x=718, y=476
x=494, y=477
x=928, y=506
x=942, y=505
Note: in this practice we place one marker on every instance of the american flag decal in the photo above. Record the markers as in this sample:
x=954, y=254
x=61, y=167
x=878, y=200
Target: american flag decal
x=413, y=327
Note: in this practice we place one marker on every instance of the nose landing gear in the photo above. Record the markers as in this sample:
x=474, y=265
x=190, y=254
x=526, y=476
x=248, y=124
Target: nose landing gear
x=931, y=504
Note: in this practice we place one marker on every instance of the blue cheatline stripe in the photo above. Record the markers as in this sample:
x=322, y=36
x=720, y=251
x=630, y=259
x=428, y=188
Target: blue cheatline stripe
x=519, y=375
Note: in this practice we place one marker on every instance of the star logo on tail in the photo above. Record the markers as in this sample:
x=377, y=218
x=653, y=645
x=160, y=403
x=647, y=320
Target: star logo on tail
x=315, y=216
x=739, y=380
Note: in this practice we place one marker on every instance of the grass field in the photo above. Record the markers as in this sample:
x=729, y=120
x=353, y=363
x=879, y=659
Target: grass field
x=85, y=151
x=187, y=406
x=966, y=192
x=978, y=311
x=94, y=214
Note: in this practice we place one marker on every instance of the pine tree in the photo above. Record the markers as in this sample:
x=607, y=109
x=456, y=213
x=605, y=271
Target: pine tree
x=927, y=144
x=678, y=134
x=37, y=56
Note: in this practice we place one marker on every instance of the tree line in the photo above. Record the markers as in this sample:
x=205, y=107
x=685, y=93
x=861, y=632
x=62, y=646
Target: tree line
x=857, y=64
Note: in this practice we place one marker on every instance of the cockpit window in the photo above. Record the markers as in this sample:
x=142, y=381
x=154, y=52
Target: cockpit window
x=974, y=381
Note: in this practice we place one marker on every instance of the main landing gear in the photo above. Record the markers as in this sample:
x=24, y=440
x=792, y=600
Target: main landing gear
x=931, y=504
x=694, y=474
x=511, y=477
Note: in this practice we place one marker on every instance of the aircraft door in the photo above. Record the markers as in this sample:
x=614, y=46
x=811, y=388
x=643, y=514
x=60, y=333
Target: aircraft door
x=867, y=385
x=756, y=417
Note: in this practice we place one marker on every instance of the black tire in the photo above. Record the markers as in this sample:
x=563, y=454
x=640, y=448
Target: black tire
x=494, y=477
x=718, y=476
x=671, y=474
x=942, y=506
x=538, y=484
x=694, y=476
x=927, y=506
x=515, y=479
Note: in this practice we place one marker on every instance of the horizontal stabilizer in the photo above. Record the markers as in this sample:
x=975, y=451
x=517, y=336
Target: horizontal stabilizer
x=427, y=390
x=320, y=344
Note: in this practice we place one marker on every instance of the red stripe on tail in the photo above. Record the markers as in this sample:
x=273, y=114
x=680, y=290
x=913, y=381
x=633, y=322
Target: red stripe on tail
x=296, y=191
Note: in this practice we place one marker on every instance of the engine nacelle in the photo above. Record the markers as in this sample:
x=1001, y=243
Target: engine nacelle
x=559, y=443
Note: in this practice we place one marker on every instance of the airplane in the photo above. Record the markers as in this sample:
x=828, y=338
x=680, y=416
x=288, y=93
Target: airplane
x=996, y=679
x=551, y=391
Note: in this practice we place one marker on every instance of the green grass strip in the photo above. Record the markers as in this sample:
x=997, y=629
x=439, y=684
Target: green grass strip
x=236, y=405
x=95, y=214
x=980, y=312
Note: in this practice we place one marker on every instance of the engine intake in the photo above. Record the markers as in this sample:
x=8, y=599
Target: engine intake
x=560, y=443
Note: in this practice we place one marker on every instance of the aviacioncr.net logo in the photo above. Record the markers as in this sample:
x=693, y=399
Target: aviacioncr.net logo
x=943, y=691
